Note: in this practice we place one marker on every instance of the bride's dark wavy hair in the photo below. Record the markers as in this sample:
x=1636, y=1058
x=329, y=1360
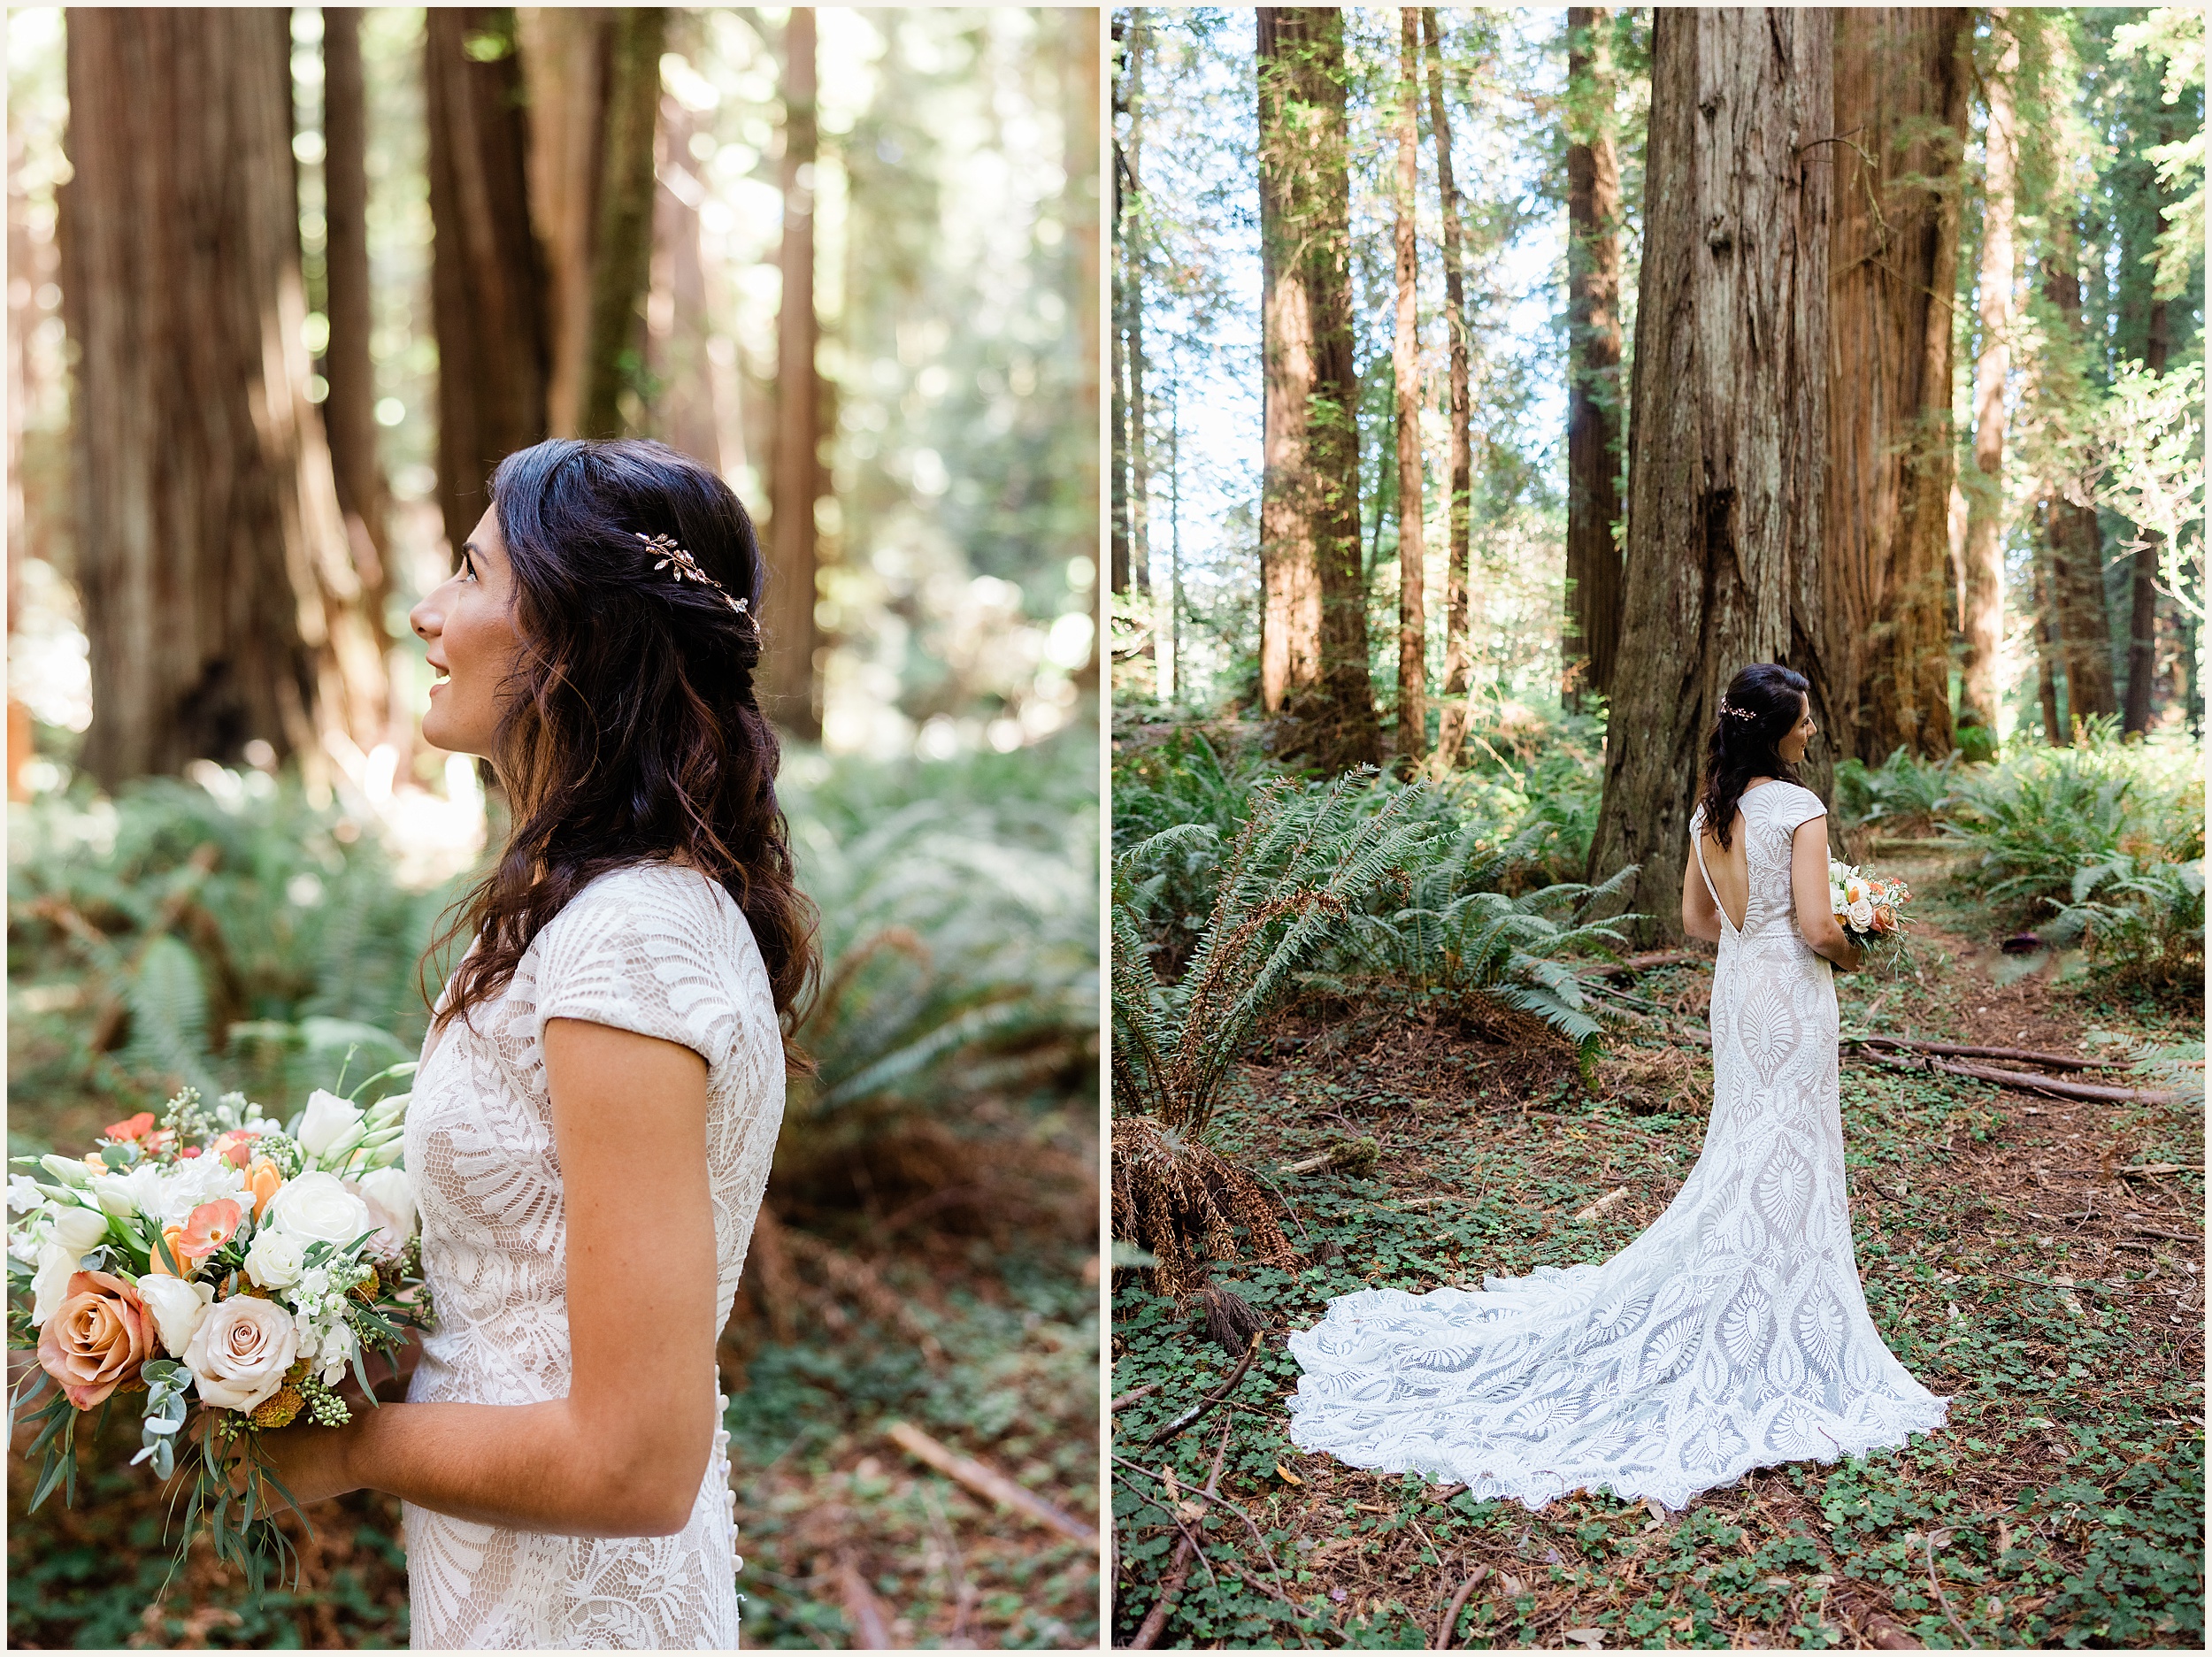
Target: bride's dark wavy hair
x=630, y=729
x=1761, y=706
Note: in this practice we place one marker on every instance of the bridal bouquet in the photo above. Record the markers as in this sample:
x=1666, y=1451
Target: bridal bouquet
x=215, y=1258
x=1871, y=912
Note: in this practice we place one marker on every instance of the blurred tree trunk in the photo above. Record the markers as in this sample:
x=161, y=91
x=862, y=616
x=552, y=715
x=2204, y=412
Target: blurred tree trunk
x=1118, y=458
x=2143, y=606
x=683, y=415
x=592, y=77
x=1902, y=79
x=221, y=603
x=1079, y=97
x=1985, y=617
x=792, y=636
x=1731, y=430
x=1593, y=361
x=2075, y=539
x=2047, y=631
x=1405, y=361
x=1133, y=277
x=1458, y=652
x=349, y=411
x=485, y=294
x=1313, y=639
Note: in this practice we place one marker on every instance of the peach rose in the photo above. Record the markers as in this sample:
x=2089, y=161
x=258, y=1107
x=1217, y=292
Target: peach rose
x=265, y=1182
x=97, y=1339
x=238, y=1354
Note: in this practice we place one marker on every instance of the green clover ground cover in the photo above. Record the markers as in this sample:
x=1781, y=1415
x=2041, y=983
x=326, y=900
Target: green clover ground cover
x=2063, y=1505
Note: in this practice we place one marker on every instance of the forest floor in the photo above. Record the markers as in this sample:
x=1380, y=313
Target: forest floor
x=2007, y=1263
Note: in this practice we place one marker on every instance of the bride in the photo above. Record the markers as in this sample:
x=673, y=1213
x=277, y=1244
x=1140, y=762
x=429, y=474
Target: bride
x=1734, y=1333
x=600, y=1088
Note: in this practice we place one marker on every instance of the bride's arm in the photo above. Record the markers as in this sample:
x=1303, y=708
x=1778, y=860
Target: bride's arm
x=1700, y=917
x=623, y=1454
x=1809, y=891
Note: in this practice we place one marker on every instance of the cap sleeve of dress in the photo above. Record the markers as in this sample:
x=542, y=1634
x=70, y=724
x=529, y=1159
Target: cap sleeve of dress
x=1797, y=807
x=654, y=949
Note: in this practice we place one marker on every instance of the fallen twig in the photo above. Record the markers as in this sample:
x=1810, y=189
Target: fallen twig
x=1612, y=1198
x=1928, y=1541
x=862, y=1608
x=1155, y=1621
x=1191, y=1416
x=1131, y=1396
x=2025, y=1055
x=1244, y=1518
x=1629, y=965
x=988, y=1481
x=2024, y=1082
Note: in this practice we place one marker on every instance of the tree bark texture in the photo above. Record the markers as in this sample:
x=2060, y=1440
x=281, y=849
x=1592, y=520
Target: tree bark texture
x=1313, y=660
x=684, y=414
x=623, y=241
x=1901, y=81
x=1726, y=482
x=2143, y=596
x=792, y=638
x=1985, y=617
x=485, y=287
x=349, y=411
x=2075, y=539
x=1458, y=655
x=1132, y=273
x=1117, y=458
x=2046, y=629
x=221, y=603
x=1593, y=361
x=1405, y=361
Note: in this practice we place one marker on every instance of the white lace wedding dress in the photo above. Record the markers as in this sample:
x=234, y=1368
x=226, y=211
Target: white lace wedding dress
x=1733, y=1334
x=661, y=950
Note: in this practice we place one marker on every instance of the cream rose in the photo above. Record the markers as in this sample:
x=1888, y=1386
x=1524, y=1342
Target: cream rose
x=390, y=1196
x=178, y=1308
x=318, y=1208
x=1862, y=914
x=327, y=1122
x=241, y=1351
x=96, y=1339
x=275, y=1259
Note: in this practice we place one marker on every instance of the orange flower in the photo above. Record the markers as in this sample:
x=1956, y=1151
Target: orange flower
x=135, y=1127
x=212, y=1225
x=173, y=1236
x=264, y=1181
x=96, y=1339
x=236, y=1147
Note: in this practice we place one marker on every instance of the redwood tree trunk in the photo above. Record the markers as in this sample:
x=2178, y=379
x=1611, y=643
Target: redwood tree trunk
x=1117, y=456
x=2143, y=606
x=622, y=239
x=792, y=637
x=1729, y=443
x=1405, y=361
x=1985, y=491
x=221, y=604
x=2047, y=646
x=2076, y=541
x=1901, y=78
x=1593, y=362
x=349, y=411
x=1314, y=633
x=1458, y=654
x=677, y=326
x=484, y=282
x=1133, y=274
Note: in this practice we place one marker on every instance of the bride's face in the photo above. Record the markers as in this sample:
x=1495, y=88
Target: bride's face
x=467, y=621
x=1792, y=747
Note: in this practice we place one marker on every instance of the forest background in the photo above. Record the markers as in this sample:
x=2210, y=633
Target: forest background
x=283, y=285
x=1489, y=385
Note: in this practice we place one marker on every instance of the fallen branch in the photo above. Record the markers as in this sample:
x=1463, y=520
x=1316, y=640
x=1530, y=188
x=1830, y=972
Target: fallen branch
x=1191, y=1416
x=2023, y=1081
x=1155, y=1621
x=988, y=1481
x=1629, y=965
x=1131, y=1396
x=1459, y=1602
x=1610, y=1199
x=863, y=1610
x=2025, y=1055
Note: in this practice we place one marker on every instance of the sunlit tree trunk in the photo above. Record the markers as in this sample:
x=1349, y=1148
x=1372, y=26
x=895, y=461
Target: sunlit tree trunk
x=1118, y=444
x=1080, y=71
x=349, y=411
x=1984, y=614
x=1133, y=274
x=1901, y=78
x=1405, y=359
x=2143, y=606
x=2075, y=539
x=677, y=326
x=1314, y=635
x=1458, y=649
x=221, y=603
x=1729, y=449
x=1593, y=361
x=485, y=289
x=792, y=637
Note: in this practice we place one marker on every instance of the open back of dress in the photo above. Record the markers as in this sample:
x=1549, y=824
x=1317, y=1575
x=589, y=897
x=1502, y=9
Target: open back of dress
x=1733, y=1334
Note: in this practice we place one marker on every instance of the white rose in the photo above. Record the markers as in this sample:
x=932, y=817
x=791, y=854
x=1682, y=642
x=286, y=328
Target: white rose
x=178, y=1307
x=241, y=1351
x=78, y=1230
x=1835, y=900
x=50, y=1286
x=138, y=1191
x=275, y=1258
x=390, y=1195
x=329, y=1119
x=195, y=1180
x=1862, y=914
x=317, y=1208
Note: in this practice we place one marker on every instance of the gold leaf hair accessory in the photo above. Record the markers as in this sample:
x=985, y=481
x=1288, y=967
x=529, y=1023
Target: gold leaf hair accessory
x=687, y=567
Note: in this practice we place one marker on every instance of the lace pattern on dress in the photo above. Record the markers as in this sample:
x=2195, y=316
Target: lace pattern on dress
x=663, y=951
x=1733, y=1334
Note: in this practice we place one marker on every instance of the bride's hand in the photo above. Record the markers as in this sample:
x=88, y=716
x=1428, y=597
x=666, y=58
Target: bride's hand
x=308, y=1461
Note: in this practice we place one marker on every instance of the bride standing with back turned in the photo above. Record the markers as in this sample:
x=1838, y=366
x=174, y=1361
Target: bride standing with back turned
x=1734, y=1333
